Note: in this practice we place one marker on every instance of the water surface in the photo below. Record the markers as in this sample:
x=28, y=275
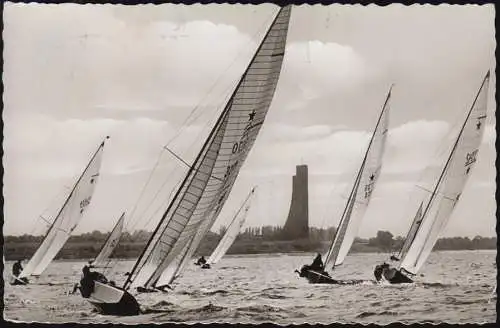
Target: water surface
x=456, y=287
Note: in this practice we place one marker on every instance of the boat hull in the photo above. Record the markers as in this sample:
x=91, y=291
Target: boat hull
x=18, y=281
x=315, y=277
x=396, y=277
x=391, y=275
x=111, y=300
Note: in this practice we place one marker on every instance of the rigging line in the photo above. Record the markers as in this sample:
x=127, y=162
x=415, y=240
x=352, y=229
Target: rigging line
x=166, y=180
x=216, y=82
x=162, y=205
x=184, y=124
x=141, y=194
x=51, y=204
x=207, y=123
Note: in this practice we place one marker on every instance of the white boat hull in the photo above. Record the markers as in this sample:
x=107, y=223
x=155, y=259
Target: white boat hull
x=111, y=300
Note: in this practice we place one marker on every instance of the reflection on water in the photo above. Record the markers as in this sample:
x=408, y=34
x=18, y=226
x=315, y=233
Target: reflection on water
x=455, y=287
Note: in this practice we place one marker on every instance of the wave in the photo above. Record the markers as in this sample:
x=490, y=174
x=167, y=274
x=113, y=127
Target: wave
x=273, y=296
x=366, y=314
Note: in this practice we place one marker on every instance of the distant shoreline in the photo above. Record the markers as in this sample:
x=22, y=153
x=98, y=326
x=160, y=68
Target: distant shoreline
x=87, y=246
x=83, y=260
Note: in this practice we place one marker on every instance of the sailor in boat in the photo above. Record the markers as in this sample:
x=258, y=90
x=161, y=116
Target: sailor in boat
x=17, y=268
x=316, y=266
x=87, y=282
x=391, y=274
x=201, y=261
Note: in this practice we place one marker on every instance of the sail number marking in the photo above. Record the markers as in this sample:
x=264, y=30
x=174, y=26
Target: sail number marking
x=470, y=157
x=84, y=203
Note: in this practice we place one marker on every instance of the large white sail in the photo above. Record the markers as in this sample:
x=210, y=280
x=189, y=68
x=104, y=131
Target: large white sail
x=232, y=232
x=67, y=219
x=362, y=190
x=209, y=181
x=110, y=244
x=442, y=201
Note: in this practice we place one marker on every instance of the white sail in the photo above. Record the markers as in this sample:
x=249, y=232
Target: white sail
x=457, y=170
x=110, y=244
x=231, y=233
x=362, y=190
x=209, y=181
x=412, y=232
x=67, y=219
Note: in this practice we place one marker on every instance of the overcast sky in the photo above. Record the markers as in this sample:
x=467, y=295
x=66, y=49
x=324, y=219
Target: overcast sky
x=76, y=73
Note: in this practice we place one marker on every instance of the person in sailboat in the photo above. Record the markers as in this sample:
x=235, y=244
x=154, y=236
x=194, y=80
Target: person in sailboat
x=379, y=269
x=317, y=264
x=390, y=274
x=88, y=281
x=201, y=261
x=17, y=268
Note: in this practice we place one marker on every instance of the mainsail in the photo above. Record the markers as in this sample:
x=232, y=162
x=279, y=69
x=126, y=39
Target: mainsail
x=209, y=180
x=440, y=203
x=359, y=199
x=67, y=219
x=110, y=244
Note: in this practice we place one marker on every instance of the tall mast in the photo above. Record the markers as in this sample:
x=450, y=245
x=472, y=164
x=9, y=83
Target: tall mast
x=433, y=195
x=73, y=189
x=358, y=176
x=205, y=145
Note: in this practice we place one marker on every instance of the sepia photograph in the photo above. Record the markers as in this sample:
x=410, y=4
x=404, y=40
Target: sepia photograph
x=249, y=163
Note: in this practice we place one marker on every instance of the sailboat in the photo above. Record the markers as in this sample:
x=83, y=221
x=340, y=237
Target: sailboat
x=356, y=205
x=109, y=245
x=437, y=206
x=65, y=221
x=209, y=180
x=231, y=233
x=102, y=258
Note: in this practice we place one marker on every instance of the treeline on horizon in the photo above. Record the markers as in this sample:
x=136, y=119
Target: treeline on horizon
x=253, y=240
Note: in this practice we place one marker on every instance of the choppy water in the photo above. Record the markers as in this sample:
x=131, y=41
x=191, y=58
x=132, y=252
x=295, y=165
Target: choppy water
x=457, y=287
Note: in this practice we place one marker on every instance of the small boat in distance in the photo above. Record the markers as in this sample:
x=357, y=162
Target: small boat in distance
x=355, y=208
x=208, y=182
x=230, y=235
x=65, y=221
x=437, y=206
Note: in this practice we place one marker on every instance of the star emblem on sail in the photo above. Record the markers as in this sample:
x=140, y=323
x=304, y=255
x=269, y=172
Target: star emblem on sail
x=208, y=183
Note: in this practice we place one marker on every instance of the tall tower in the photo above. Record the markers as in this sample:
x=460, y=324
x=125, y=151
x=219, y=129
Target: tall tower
x=297, y=223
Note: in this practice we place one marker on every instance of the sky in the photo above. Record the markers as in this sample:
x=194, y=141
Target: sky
x=153, y=76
